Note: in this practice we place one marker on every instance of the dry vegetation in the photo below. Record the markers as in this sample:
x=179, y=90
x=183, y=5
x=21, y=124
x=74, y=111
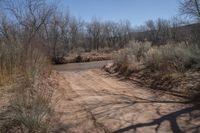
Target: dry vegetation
x=30, y=107
x=170, y=67
x=24, y=69
x=34, y=34
x=170, y=60
x=87, y=57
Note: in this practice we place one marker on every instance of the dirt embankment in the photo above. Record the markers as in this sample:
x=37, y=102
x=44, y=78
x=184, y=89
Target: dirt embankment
x=181, y=84
x=93, y=101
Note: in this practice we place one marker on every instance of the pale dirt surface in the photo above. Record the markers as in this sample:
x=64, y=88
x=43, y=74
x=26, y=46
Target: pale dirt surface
x=92, y=101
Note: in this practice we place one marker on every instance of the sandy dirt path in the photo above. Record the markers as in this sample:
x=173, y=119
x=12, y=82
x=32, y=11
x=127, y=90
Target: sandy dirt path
x=91, y=101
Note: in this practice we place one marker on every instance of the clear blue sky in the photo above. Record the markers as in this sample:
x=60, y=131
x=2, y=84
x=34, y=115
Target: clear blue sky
x=136, y=11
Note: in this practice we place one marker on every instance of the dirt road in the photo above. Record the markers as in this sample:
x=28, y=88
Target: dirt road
x=91, y=101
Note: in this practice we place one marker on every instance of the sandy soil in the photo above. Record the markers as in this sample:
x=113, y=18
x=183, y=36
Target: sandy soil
x=91, y=101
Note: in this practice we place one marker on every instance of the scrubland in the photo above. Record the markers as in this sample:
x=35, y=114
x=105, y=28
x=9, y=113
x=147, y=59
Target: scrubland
x=171, y=67
x=160, y=55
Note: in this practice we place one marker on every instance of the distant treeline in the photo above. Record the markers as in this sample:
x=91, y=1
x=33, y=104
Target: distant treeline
x=163, y=31
x=34, y=23
x=37, y=23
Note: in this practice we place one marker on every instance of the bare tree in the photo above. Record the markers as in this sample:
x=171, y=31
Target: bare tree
x=152, y=31
x=94, y=32
x=76, y=28
x=178, y=32
x=163, y=29
x=20, y=30
x=157, y=32
x=124, y=30
x=57, y=36
x=190, y=8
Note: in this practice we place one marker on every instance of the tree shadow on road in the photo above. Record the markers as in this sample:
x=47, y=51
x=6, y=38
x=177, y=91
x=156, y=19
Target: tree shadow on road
x=126, y=104
x=171, y=118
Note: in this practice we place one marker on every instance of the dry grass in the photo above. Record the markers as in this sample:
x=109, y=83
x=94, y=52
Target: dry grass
x=30, y=107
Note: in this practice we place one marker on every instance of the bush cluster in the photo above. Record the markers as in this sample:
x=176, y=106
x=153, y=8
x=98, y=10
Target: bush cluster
x=166, y=58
